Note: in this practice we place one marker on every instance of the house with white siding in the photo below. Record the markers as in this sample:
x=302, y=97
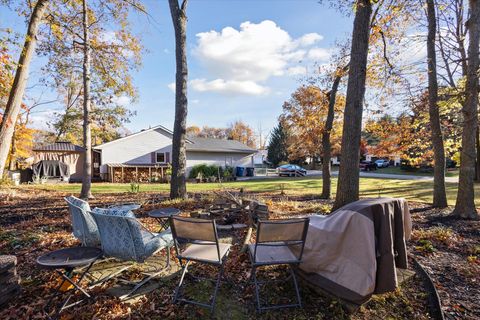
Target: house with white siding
x=149, y=152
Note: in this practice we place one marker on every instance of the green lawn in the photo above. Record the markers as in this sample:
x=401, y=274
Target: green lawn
x=397, y=170
x=369, y=187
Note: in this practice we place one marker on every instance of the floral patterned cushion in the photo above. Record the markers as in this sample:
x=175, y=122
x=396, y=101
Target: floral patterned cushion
x=115, y=211
x=124, y=237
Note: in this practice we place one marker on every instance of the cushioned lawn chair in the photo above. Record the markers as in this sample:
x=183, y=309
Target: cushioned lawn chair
x=274, y=240
x=84, y=226
x=199, y=239
x=85, y=229
x=125, y=238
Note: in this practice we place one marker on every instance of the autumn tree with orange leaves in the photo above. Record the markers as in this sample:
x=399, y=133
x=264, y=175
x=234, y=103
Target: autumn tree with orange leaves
x=304, y=115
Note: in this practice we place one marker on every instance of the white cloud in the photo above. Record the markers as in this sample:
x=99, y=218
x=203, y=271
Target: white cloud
x=240, y=59
x=319, y=54
x=309, y=39
x=293, y=71
x=229, y=86
x=171, y=86
x=122, y=100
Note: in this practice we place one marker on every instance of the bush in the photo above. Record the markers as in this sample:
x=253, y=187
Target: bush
x=205, y=171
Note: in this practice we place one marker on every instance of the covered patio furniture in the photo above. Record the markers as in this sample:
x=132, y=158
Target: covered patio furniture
x=125, y=238
x=353, y=252
x=197, y=240
x=274, y=241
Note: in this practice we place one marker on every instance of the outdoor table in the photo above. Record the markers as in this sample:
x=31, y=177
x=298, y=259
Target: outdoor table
x=64, y=261
x=162, y=215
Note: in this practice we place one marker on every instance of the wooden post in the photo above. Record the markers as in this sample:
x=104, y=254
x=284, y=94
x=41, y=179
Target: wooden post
x=162, y=172
x=136, y=174
x=149, y=174
x=123, y=178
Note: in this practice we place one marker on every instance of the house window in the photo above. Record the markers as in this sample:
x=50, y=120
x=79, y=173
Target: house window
x=160, y=157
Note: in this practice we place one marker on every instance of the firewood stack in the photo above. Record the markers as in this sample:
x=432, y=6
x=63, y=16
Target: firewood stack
x=9, y=280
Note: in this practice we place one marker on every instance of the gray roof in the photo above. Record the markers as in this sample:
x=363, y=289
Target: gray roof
x=217, y=145
x=60, y=146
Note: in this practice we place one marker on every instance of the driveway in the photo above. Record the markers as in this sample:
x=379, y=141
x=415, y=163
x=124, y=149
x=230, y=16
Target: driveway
x=380, y=175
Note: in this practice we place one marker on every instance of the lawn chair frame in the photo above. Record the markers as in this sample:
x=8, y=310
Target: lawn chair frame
x=185, y=262
x=278, y=243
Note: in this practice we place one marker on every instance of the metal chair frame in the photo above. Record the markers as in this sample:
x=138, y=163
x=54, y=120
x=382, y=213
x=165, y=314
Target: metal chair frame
x=220, y=263
x=112, y=275
x=149, y=276
x=279, y=243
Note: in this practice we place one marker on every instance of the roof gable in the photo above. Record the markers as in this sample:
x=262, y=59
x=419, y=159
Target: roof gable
x=166, y=132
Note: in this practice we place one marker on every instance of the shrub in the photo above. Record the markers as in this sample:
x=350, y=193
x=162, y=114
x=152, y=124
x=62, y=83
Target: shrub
x=204, y=170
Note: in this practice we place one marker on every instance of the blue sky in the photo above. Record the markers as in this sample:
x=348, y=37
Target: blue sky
x=245, y=59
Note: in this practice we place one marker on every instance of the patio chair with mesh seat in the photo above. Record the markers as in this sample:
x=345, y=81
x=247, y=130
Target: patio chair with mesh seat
x=125, y=238
x=273, y=246
x=199, y=240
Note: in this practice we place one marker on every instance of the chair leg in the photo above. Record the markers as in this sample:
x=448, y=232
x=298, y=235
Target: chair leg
x=257, y=289
x=269, y=307
x=177, y=289
x=297, y=291
x=217, y=285
x=147, y=279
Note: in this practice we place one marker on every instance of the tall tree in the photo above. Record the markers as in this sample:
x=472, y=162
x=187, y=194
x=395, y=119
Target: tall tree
x=178, y=188
x=240, y=131
x=326, y=142
x=348, y=179
x=465, y=203
x=278, y=145
x=17, y=91
x=439, y=193
x=86, y=192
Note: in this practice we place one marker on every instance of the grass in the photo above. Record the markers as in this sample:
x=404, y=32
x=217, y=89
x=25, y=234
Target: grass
x=398, y=170
x=415, y=190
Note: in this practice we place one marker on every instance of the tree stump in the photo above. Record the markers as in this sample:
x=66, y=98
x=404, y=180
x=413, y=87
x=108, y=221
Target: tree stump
x=9, y=279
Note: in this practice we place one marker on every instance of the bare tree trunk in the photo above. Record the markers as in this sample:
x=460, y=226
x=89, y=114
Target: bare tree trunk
x=477, y=146
x=15, y=98
x=326, y=143
x=439, y=193
x=349, y=178
x=178, y=188
x=86, y=192
x=465, y=204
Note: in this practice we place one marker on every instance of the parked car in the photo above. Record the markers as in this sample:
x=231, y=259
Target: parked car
x=291, y=170
x=382, y=163
x=367, y=166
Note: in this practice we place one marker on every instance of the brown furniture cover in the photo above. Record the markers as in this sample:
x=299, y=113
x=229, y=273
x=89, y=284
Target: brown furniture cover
x=353, y=252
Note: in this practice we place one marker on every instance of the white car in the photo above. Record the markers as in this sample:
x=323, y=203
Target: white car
x=382, y=163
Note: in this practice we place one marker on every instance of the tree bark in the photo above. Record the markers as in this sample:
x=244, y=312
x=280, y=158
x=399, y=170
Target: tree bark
x=178, y=188
x=439, y=193
x=465, y=204
x=326, y=143
x=12, y=109
x=477, y=165
x=349, y=177
x=86, y=192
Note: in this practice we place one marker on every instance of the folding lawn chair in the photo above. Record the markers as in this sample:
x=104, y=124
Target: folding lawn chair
x=274, y=240
x=200, y=239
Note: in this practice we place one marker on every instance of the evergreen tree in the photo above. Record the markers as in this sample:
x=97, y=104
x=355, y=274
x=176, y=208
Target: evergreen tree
x=278, y=146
